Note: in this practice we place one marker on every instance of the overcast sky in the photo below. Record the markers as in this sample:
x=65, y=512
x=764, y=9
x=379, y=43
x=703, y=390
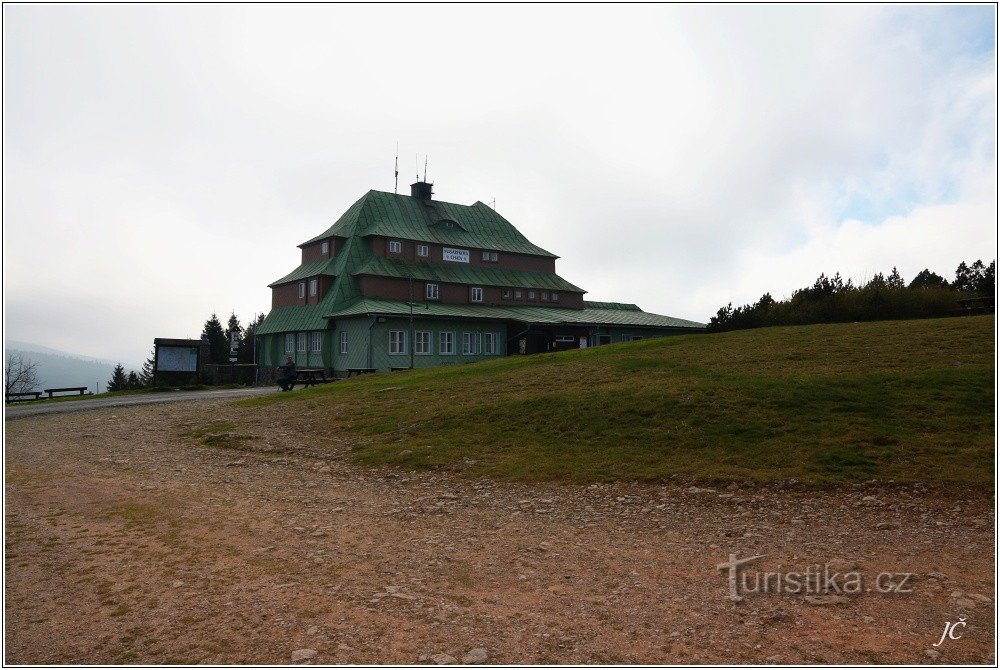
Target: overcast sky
x=162, y=163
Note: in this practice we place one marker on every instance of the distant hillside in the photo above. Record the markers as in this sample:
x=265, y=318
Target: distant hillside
x=59, y=369
x=909, y=401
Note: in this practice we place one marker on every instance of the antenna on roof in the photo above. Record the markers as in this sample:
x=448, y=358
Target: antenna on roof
x=416, y=165
x=396, y=188
x=493, y=204
x=425, y=167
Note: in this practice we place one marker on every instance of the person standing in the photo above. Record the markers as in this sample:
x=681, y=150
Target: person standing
x=287, y=374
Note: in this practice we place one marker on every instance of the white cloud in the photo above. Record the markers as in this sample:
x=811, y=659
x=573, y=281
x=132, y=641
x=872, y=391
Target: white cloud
x=163, y=162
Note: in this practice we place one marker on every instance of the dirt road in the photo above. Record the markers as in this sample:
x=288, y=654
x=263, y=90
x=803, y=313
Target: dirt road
x=36, y=408
x=131, y=541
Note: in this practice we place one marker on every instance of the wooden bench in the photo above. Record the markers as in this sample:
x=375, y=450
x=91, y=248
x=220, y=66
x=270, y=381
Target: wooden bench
x=81, y=389
x=18, y=397
x=309, y=377
x=359, y=371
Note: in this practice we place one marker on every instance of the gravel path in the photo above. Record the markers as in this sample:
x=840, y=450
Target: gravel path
x=36, y=408
x=128, y=542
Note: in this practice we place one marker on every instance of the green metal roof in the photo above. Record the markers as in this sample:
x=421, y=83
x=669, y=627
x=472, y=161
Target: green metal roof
x=612, y=305
x=526, y=314
x=314, y=269
x=405, y=217
x=455, y=273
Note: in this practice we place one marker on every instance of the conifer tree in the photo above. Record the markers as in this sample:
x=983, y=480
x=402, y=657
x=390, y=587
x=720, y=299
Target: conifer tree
x=146, y=374
x=218, y=344
x=119, y=380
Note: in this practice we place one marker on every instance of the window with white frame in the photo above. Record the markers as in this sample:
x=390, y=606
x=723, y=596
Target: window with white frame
x=325, y=248
x=313, y=287
x=423, y=251
x=343, y=341
x=289, y=343
x=301, y=342
x=395, y=247
x=422, y=342
x=477, y=294
x=486, y=255
x=446, y=343
x=506, y=294
x=432, y=292
x=531, y=295
x=490, y=343
x=517, y=294
x=555, y=297
x=468, y=344
x=397, y=342
x=302, y=289
x=315, y=342
x=545, y=296
x=494, y=257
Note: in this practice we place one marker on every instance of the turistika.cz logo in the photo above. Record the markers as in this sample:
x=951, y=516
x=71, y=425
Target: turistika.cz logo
x=815, y=580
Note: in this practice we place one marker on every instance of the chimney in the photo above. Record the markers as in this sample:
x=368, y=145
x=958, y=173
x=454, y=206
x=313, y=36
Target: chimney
x=421, y=190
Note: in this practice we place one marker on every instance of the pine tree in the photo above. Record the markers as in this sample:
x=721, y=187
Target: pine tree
x=146, y=374
x=133, y=381
x=218, y=344
x=247, y=344
x=118, y=381
x=895, y=280
x=927, y=279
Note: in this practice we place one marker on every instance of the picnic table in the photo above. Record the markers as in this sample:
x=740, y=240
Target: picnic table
x=309, y=377
x=359, y=371
x=82, y=390
x=34, y=395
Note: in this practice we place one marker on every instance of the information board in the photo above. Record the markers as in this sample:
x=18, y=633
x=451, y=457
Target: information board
x=177, y=359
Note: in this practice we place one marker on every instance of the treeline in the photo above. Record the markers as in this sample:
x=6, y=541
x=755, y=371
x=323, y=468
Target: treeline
x=833, y=300
x=219, y=339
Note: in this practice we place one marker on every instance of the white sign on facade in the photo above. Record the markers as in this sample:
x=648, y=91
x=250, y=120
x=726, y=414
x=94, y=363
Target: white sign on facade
x=177, y=359
x=455, y=255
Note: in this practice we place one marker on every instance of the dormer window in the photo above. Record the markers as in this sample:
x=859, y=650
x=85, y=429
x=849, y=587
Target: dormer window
x=555, y=297
x=506, y=294
x=531, y=295
x=432, y=292
x=490, y=257
x=476, y=294
x=325, y=247
x=423, y=251
x=302, y=290
x=395, y=247
x=545, y=296
x=517, y=294
x=313, y=287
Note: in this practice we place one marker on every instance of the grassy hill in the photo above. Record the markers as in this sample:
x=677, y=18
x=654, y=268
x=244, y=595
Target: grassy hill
x=904, y=401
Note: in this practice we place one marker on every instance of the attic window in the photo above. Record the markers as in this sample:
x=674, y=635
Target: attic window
x=448, y=224
x=395, y=247
x=325, y=248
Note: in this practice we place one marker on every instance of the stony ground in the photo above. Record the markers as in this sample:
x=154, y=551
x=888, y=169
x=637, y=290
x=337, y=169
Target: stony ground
x=128, y=542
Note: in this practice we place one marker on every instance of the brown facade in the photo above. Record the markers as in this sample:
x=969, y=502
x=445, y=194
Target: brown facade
x=505, y=259
x=461, y=294
x=314, y=252
x=288, y=294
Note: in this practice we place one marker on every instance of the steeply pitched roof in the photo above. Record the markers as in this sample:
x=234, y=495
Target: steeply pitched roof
x=460, y=273
x=526, y=314
x=405, y=217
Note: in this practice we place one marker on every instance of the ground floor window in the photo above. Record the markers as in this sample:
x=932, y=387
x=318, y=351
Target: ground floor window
x=343, y=341
x=302, y=342
x=397, y=341
x=446, y=343
x=631, y=338
x=422, y=342
x=289, y=343
x=491, y=342
x=471, y=343
x=315, y=342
